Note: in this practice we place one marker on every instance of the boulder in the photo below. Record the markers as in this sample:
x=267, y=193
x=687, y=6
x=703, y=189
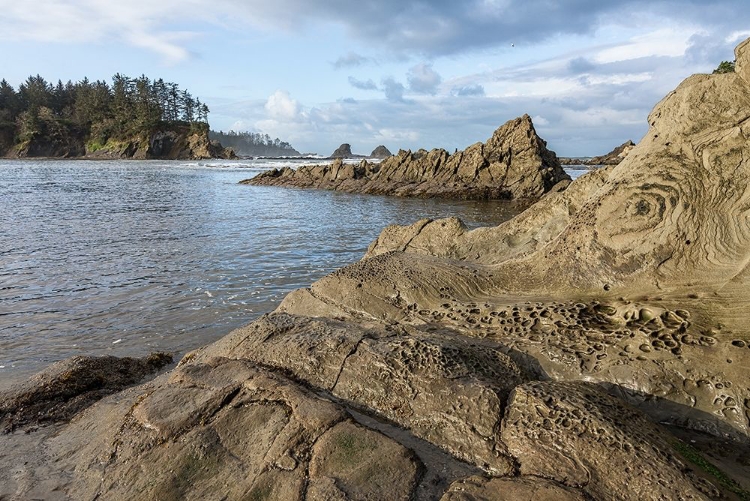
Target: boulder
x=67, y=387
x=513, y=164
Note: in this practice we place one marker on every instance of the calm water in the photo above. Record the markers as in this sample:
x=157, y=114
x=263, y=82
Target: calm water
x=125, y=258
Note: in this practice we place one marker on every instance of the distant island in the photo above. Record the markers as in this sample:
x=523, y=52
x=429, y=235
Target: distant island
x=345, y=152
x=130, y=118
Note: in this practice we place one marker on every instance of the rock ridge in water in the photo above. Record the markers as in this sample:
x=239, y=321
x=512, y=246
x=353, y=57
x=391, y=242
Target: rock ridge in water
x=540, y=359
x=513, y=164
x=614, y=157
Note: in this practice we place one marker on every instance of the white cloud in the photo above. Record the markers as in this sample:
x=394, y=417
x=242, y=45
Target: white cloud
x=664, y=42
x=280, y=106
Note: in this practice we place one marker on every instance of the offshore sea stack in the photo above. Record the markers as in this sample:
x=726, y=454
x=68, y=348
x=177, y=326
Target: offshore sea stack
x=594, y=347
x=513, y=164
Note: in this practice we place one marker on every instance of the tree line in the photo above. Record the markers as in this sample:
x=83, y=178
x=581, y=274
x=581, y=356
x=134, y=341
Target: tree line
x=254, y=143
x=122, y=108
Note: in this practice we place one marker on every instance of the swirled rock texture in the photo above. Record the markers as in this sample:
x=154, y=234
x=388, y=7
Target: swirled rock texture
x=546, y=358
x=513, y=164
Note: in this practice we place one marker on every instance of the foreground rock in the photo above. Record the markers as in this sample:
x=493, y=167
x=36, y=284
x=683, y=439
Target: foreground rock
x=540, y=359
x=513, y=164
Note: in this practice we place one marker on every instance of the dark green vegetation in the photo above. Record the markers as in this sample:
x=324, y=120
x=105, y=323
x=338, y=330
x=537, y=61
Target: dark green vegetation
x=694, y=456
x=725, y=67
x=254, y=144
x=91, y=113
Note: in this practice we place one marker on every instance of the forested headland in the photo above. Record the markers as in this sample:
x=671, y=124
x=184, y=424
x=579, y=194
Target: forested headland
x=129, y=117
x=255, y=144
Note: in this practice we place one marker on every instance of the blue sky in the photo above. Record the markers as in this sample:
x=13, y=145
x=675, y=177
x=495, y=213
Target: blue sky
x=403, y=73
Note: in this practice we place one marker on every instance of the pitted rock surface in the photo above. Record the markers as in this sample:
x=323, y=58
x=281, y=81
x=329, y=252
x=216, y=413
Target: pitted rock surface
x=447, y=389
x=510, y=489
x=578, y=435
x=513, y=164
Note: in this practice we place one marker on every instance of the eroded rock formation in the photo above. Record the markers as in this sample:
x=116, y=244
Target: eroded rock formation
x=513, y=164
x=540, y=359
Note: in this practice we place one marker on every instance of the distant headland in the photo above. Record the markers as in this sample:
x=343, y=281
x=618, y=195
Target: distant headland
x=130, y=118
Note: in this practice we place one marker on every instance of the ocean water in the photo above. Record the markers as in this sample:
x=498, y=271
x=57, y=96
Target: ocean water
x=124, y=258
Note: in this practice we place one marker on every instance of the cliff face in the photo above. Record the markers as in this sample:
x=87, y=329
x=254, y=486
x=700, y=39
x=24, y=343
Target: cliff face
x=513, y=164
x=169, y=142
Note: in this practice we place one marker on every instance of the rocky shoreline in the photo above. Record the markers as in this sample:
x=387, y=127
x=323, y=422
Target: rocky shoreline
x=594, y=347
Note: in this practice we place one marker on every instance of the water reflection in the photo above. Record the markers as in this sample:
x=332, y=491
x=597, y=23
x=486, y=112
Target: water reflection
x=127, y=257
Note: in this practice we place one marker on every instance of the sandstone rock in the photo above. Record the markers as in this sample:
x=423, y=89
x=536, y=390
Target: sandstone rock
x=577, y=435
x=381, y=152
x=66, y=387
x=229, y=430
x=514, y=164
x=510, y=489
x=541, y=351
x=447, y=390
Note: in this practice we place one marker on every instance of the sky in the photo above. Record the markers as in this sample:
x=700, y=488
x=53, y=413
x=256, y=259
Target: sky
x=403, y=73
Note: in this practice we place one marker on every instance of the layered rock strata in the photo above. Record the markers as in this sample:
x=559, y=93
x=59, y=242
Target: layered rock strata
x=540, y=359
x=513, y=164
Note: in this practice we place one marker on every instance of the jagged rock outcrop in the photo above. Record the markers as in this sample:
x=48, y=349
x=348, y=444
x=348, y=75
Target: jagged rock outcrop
x=513, y=164
x=343, y=151
x=538, y=359
x=614, y=157
x=381, y=152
